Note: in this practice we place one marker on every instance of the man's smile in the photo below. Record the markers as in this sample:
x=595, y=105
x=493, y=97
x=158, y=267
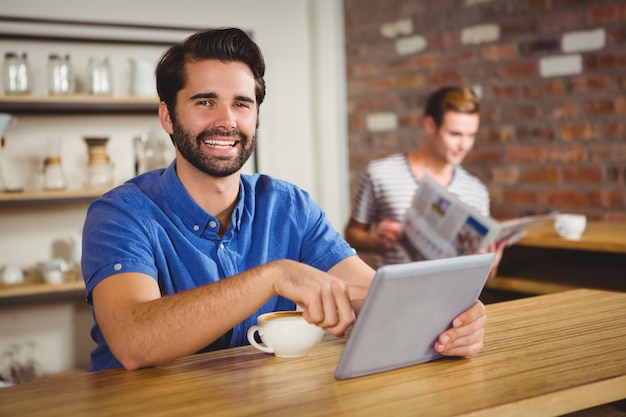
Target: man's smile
x=220, y=144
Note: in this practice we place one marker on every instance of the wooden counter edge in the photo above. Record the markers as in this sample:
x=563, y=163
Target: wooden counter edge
x=30, y=292
x=526, y=286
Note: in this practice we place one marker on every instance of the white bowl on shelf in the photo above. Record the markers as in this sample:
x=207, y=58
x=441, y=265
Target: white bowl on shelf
x=53, y=270
x=11, y=274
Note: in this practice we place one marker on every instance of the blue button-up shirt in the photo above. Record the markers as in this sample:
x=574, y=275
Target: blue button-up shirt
x=152, y=225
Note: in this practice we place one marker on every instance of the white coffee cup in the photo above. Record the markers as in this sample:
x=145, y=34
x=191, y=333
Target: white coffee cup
x=570, y=226
x=286, y=334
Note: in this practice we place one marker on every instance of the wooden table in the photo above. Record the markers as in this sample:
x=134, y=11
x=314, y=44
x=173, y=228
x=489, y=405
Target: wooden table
x=543, y=356
x=543, y=262
x=598, y=237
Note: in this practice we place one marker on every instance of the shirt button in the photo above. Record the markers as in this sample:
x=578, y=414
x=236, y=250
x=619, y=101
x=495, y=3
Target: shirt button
x=212, y=224
x=221, y=246
x=196, y=228
x=117, y=267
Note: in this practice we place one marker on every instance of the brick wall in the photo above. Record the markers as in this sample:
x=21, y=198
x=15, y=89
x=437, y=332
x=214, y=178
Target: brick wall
x=552, y=76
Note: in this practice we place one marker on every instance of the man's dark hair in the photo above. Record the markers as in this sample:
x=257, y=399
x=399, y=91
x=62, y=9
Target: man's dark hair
x=225, y=44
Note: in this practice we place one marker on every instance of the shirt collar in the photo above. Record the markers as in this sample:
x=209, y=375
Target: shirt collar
x=194, y=217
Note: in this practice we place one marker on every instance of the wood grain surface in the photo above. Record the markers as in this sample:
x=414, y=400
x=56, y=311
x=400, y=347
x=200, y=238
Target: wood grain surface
x=543, y=356
x=598, y=237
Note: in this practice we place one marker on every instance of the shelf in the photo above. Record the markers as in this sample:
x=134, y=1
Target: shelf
x=78, y=104
x=37, y=197
x=30, y=291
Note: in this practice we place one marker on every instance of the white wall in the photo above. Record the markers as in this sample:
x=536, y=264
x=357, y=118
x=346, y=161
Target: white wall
x=302, y=41
x=302, y=134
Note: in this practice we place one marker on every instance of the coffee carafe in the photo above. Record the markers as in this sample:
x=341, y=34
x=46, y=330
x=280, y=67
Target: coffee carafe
x=53, y=175
x=100, y=173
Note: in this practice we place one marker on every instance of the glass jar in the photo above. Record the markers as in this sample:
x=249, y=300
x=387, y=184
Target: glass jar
x=100, y=77
x=60, y=77
x=16, y=73
x=152, y=151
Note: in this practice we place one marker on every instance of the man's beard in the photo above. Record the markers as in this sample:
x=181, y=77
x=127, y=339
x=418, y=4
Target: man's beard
x=191, y=148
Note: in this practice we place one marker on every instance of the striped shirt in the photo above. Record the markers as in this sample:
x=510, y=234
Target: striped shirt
x=386, y=189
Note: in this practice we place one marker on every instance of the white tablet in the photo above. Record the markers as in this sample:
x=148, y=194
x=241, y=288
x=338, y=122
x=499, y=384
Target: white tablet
x=407, y=308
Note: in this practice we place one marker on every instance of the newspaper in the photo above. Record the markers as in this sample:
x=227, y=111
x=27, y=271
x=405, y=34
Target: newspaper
x=439, y=225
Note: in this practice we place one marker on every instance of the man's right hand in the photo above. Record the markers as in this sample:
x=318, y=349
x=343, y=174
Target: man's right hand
x=325, y=298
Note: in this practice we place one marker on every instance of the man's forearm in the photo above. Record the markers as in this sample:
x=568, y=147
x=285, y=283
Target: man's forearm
x=361, y=240
x=148, y=332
